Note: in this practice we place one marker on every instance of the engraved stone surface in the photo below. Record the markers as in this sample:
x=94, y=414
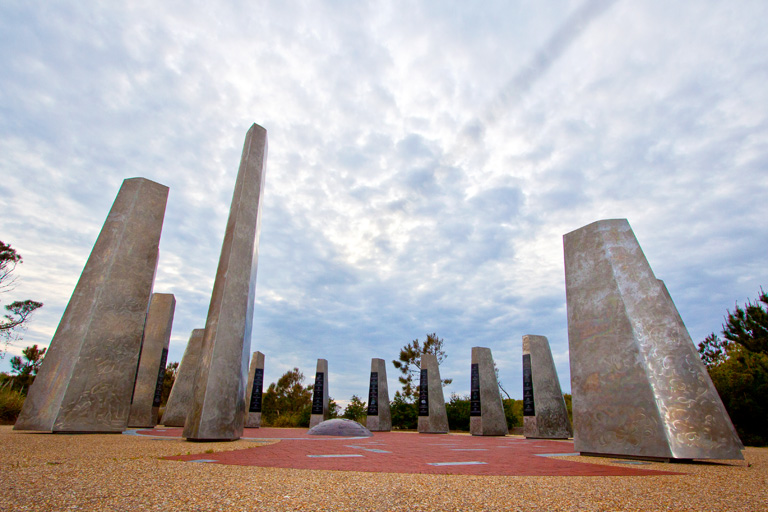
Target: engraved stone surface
x=486, y=414
x=180, y=399
x=255, y=389
x=433, y=418
x=544, y=413
x=320, y=408
x=86, y=379
x=148, y=389
x=379, y=417
x=639, y=387
x=218, y=408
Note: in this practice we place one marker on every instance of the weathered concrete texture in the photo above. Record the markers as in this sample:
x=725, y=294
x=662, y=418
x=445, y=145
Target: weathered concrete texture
x=180, y=399
x=433, y=418
x=379, y=417
x=148, y=389
x=639, y=387
x=486, y=414
x=218, y=408
x=320, y=397
x=547, y=417
x=255, y=389
x=86, y=380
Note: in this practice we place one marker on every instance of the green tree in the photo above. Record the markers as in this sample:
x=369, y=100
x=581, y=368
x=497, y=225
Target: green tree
x=457, y=410
x=513, y=411
x=738, y=366
x=569, y=406
x=26, y=367
x=287, y=401
x=405, y=415
x=409, y=363
x=171, y=370
x=18, y=311
x=356, y=410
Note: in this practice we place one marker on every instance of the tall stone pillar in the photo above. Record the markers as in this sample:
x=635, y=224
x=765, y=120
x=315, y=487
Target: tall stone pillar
x=148, y=389
x=255, y=389
x=639, y=387
x=433, y=418
x=218, y=407
x=320, y=398
x=486, y=411
x=379, y=417
x=544, y=413
x=86, y=380
x=180, y=399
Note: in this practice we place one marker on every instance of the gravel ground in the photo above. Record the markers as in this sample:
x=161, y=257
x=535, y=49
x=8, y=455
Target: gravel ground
x=118, y=472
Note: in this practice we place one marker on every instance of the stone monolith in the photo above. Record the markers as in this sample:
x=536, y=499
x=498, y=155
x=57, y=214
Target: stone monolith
x=320, y=397
x=180, y=399
x=86, y=380
x=379, y=417
x=218, y=407
x=639, y=388
x=433, y=418
x=148, y=389
x=544, y=413
x=255, y=389
x=486, y=411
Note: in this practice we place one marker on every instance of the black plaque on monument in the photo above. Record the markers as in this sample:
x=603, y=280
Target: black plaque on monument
x=317, y=394
x=528, y=408
x=160, y=378
x=474, y=393
x=373, y=395
x=256, y=390
x=424, y=394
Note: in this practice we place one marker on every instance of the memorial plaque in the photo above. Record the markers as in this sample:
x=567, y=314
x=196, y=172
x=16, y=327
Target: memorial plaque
x=256, y=390
x=528, y=407
x=373, y=395
x=474, y=394
x=160, y=379
x=317, y=395
x=424, y=394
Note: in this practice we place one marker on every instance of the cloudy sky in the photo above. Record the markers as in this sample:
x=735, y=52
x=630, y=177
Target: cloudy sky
x=425, y=159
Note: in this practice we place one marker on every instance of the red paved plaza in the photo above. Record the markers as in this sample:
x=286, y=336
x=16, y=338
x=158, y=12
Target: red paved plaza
x=406, y=452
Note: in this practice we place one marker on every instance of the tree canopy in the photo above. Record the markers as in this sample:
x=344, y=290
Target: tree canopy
x=738, y=366
x=409, y=363
x=18, y=311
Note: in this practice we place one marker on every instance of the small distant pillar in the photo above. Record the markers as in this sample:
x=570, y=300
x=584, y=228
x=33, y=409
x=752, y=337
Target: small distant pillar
x=320, y=410
x=255, y=390
x=148, y=389
x=180, y=399
x=486, y=411
x=218, y=408
x=86, y=379
x=433, y=418
x=379, y=417
x=544, y=413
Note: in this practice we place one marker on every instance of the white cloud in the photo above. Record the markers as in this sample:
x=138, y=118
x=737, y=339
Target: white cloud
x=420, y=173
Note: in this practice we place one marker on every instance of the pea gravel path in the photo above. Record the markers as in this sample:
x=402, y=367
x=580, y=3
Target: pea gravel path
x=119, y=472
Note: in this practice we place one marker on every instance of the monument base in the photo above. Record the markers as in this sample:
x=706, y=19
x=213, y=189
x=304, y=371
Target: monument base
x=635, y=457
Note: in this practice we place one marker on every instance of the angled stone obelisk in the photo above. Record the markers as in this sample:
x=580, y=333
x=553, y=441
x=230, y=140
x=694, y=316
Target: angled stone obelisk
x=148, y=389
x=639, y=388
x=86, y=380
x=320, y=397
x=180, y=399
x=379, y=417
x=255, y=389
x=433, y=418
x=544, y=413
x=218, y=407
x=486, y=411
